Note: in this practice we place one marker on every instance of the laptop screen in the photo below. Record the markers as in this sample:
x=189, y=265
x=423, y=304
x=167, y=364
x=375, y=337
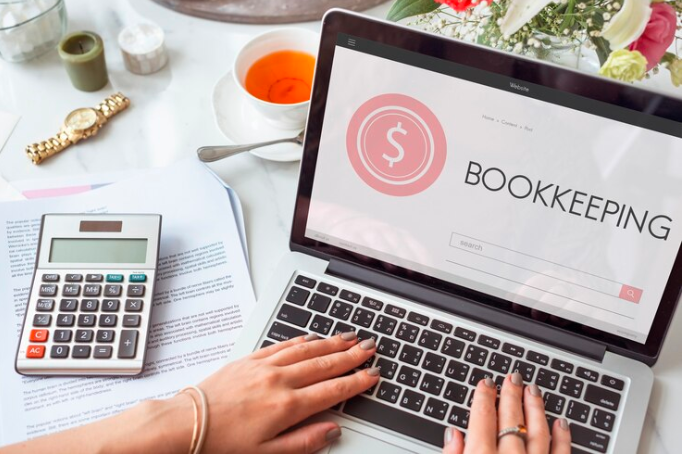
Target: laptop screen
x=551, y=201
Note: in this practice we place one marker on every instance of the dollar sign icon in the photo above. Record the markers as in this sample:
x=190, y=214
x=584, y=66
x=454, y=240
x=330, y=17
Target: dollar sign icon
x=400, y=150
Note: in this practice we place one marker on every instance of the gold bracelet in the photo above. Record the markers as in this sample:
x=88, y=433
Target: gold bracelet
x=198, y=440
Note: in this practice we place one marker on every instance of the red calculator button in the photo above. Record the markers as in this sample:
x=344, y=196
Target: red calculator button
x=35, y=352
x=39, y=335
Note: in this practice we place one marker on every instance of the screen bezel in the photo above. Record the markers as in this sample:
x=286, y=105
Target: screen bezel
x=555, y=77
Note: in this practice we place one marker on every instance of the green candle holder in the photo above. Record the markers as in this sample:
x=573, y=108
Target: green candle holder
x=83, y=56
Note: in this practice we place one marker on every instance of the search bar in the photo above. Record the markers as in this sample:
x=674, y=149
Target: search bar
x=521, y=268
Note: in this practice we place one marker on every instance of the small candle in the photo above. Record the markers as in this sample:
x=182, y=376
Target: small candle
x=84, y=60
x=142, y=48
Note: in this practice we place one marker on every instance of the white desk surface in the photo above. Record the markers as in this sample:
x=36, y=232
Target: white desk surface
x=171, y=116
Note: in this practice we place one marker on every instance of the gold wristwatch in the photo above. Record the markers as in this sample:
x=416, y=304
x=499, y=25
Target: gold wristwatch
x=78, y=125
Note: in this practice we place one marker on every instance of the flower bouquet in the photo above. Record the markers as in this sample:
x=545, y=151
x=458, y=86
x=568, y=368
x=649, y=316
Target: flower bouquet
x=631, y=38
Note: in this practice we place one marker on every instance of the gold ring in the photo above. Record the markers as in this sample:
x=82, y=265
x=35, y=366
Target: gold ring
x=519, y=431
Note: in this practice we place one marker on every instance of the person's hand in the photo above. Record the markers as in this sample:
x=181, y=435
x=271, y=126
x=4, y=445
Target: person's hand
x=253, y=401
x=518, y=405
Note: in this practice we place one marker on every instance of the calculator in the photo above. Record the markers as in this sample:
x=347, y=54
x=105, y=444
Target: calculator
x=90, y=301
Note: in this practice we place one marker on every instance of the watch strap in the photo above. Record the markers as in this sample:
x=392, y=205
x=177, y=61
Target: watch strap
x=113, y=104
x=45, y=149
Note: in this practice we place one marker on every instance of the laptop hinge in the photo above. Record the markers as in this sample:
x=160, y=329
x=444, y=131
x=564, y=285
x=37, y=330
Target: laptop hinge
x=468, y=309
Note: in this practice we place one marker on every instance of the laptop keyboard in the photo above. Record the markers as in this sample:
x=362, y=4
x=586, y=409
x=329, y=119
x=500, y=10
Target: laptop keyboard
x=429, y=367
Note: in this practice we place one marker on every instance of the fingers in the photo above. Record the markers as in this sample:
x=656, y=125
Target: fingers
x=537, y=427
x=323, y=395
x=312, y=349
x=511, y=413
x=560, y=442
x=324, y=367
x=274, y=348
x=453, y=441
x=308, y=439
x=482, y=426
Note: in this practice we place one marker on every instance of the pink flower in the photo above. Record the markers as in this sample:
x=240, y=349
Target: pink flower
x=658, y=35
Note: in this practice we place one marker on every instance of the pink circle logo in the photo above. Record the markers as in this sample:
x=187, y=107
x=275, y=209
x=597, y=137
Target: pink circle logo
x=396, y=144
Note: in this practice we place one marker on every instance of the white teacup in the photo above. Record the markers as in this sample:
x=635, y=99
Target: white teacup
x=286, y=116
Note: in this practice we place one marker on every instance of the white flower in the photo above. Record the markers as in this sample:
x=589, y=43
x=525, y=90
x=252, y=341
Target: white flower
x=606, y=16
x=519, y=13
x=628, y=24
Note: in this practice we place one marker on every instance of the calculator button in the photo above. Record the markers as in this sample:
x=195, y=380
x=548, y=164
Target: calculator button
x=137, y=278
x=108, y=320
x=50, y=277
x=134, y=305
x=102, y=352
x=68, y=305
x=110, y=305
x=45, y=304
x=59, y=352
x=128, y=344
x=86, y=320
x=112, y=290
x=81, y=352
x=35, y=352
x=73, y=277
x=135, y=290
x=71, y=290
x=94, y=278
x=42, y=320
x=89, y=304
x=84, y=336
x=114, y=278
x=38, y=335
x=62, y=336
x=92, y=290
x=65, y=320
x=131, y=320
x=47, y=290
x=105, y=336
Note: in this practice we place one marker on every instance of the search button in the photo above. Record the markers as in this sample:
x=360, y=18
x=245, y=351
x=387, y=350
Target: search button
x=630, y=293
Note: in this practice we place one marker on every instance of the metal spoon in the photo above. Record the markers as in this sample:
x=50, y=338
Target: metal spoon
x=218, y=152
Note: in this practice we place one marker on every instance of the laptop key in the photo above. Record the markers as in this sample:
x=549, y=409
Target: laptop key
x=372, y=303
x=547, y=379
x=513, y=350
x=536, y=357
x=430, y=340
x=396, y=420
x=459, y=417
x=321, y=324
x=577, y=411
x=388, y=392
x=488, y=342
x=368, y=363
x=455, y=392
x=453, y=347
x=571, y=387
x=412, y=400
x=408, y=376
x=411, y=354
x=436, y=409
x=319, y=303
x=342, y=327
x=589, y=375
x=525, y=369
x=362, y=317
x=293, y=315
x=388, y=347
x=476, y=355
x=350, y=296
x=341, y=310
x=366, y=335
x=326, y=288
x=305, y=281
x=298, y=296
x=395, y=311
x=602, y=397
x=477, y=375
x=266, y=343
x=407, y=332
x=432, y=384
x=613, y=383
x=385, y=324
x=589, y=438
x=562, y=365
x=603, y=420
x=441, y=326
x=457, y=370
x=387, y=368
x=465, y=334
x=417, y=318
x=434, y=362
x=499, y=363
x=553, y=403
x=283, y=332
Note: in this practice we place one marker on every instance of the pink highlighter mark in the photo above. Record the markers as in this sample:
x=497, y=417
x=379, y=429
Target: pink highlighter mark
x=55, y=192
x=630, y=293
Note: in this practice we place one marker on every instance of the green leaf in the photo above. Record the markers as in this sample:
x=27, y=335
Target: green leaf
x=407, y=8
x=602, y=48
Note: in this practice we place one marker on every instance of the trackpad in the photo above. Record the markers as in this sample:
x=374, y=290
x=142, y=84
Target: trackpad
x=354, y=442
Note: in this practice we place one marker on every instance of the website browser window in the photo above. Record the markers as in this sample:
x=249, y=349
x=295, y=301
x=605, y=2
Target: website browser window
x=556, y=209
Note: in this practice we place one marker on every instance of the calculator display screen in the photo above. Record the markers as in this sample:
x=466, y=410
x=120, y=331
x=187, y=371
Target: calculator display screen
x=116, y=251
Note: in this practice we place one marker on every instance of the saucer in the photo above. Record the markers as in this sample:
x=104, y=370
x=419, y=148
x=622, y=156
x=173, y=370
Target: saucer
x=240, y=123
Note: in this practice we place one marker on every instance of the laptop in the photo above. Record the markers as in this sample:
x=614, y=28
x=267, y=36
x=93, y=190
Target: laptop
x=479, y=213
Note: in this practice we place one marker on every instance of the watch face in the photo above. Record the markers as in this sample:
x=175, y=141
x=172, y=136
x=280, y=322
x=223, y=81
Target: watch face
x=81, y=119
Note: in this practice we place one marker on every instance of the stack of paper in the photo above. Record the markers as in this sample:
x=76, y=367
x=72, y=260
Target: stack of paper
x=202, y=298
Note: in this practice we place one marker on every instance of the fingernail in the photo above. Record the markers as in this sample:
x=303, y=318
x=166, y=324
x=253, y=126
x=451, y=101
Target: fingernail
x=489, y=382
x=368, y=344
x=448, y=436
x=333, y=434
x=311, y=337
x=373, y=371
x=516, y=378
x=348, y=336
x=534, y=390
x=564, y=424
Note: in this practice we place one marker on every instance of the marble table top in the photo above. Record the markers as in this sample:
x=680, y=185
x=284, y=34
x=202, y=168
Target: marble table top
x=172, y=116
